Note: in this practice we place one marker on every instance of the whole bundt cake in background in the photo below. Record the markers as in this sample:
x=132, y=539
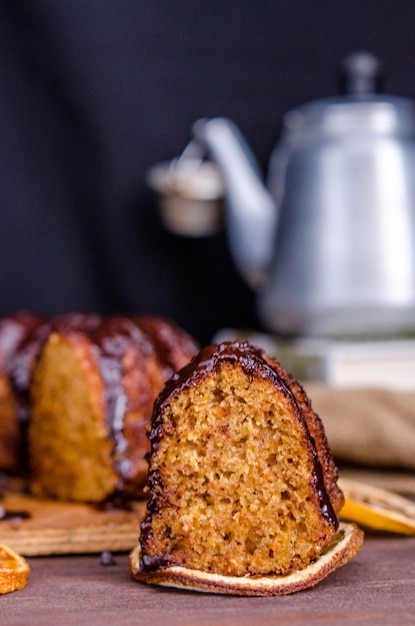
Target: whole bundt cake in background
x=239, y=483
x=94, y=382
x=91, y=399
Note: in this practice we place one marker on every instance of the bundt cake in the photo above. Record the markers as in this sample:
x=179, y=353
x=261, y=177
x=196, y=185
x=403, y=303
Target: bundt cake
x=161, y=347
x=242, y=485
x=91, y=396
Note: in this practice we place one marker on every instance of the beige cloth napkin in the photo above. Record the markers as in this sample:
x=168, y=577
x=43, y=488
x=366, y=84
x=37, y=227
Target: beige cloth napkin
x=372, y=428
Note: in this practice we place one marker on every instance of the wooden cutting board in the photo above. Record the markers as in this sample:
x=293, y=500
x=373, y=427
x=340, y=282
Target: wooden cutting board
x=43, y=527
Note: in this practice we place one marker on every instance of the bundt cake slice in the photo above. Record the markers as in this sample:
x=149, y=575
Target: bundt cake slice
x=236, y=487
x=91, y=398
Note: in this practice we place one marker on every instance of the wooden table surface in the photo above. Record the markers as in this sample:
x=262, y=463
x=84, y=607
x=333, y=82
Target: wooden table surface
x=377, y=587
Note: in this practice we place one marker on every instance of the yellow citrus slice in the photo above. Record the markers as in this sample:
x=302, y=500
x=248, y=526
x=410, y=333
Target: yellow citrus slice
x=377, y=508
x=14, y=570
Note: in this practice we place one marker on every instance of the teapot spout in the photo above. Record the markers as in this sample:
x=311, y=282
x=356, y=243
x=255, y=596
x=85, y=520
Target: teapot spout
x=251, y=214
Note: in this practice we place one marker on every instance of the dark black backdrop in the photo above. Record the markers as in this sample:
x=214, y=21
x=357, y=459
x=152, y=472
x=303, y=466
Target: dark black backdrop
x=93, y=92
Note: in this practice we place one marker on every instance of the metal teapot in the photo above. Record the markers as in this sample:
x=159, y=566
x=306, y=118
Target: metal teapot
x=329, y=244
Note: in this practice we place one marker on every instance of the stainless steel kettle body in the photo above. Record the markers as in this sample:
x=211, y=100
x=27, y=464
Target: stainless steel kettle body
x=343, y=178
x=329, y=244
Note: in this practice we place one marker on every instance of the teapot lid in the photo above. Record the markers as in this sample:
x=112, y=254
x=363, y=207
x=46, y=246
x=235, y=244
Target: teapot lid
x=361, y=108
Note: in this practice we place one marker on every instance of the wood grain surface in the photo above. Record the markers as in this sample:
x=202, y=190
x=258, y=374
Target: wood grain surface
x=376, y=587
x=66, y=528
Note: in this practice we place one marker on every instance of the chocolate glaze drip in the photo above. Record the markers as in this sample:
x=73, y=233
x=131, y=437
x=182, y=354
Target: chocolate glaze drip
x=113, y=337
x=253, y=361
x=13, y=330
x=173, y=346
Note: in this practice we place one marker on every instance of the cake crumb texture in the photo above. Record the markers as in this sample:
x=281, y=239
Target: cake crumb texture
x=70, y=455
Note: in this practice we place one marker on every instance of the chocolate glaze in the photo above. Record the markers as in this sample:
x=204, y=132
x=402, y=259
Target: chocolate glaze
x=173, y=346
x=25, y=355
x=13, y=330
x=113, y=337
x=254, y=362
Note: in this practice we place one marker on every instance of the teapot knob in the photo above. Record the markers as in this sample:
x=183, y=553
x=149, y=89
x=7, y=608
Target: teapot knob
x=361, y=74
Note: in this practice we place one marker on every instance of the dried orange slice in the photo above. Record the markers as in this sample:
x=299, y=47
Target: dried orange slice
x=376, y=508
x=14, y=570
